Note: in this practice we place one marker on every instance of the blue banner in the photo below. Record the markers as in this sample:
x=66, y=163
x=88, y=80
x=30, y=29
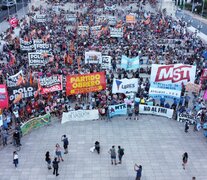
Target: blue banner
x=171, y=91
x=129, y=63
x=119, y=109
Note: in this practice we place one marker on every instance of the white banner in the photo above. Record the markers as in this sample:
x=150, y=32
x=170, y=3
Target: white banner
x=36, y=59
x=80, y=115
x=155, y=110
x=175, y=73
x=124, y=85
x=93, y=57
x=116, y=32
x=106, y=62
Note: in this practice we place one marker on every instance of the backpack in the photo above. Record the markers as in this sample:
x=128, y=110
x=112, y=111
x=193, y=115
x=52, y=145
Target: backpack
x=121, y=152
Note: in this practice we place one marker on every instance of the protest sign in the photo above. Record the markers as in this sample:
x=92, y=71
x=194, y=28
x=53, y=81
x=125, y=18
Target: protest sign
x=93, y=57
x=40, y=18
x=83, y=30
x=130, y=18
x=106, y=62
x=4, y=100
x=95, y=31
x=37, y=59
x=155, y=110
x=191, y=87
x=85, y=83
x=111, y=20
x=182, y=117
x=129, y=63
x=26, y=45
x=70, y=17
x=80, y=115
x=174, y=73
x=119, y=109
x=15, y=80
x=116, y=32
x=35, y=123
x=125, y=85
x=1, y=119
x=26, y=91
x=157, y=90
x=50, y=84
x=43, y=48
x=109, y=8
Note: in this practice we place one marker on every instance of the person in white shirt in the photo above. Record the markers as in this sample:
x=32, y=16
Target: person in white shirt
x=15, y=158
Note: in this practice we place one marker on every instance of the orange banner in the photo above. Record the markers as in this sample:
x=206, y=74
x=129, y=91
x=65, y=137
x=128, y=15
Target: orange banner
x=130, y=19
x=80, y=84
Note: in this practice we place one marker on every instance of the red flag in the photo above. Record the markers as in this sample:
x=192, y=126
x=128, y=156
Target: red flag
x=13, y=22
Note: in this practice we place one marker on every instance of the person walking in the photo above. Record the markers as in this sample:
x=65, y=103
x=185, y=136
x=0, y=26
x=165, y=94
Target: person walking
x=185, y=159
x=5, y=135
x=97, y=147
x=65, y=143
x=186, y=126
x=15, y=158
x=55, y=165
x=112, y=151
x=48, y=160
x=136, y=113
x=120, y=154
x=138, y=169
x=58, y=152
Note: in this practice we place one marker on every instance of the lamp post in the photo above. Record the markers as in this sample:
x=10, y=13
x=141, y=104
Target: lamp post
x=203, y=5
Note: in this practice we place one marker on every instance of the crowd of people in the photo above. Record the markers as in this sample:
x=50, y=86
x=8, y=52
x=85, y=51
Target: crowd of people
x=159, y=39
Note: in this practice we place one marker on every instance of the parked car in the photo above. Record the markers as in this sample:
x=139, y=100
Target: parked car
x=8, y=3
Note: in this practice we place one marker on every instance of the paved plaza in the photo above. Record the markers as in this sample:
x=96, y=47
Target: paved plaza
x=154, y=142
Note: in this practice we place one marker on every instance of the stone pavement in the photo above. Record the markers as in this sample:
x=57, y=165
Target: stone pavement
x=155, y=142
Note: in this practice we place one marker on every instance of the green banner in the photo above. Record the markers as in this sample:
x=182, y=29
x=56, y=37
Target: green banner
x=35, y=123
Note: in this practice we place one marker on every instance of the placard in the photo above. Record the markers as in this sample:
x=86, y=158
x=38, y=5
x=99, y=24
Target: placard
x=93, y=57
x=119, y=109
x=106, y=62
x=116, y=32
x=129, y=63
x=37, y=59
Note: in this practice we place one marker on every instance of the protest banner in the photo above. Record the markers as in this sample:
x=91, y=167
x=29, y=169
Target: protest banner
x=130, y=18
x=171, y=91
x=37, y=59
x=1, y=120
x=191, y=87
x=50, y=84
x=111, y=20
x=93, y=57
x=116, y=32
x=129, y=63
x=15, y=80
x=26, y=91
x=155, y=110
x=37, y=41
x=119, y=109
x=4, y=100
x=43, y=48
x=124, y=85
x=80, y=115
x=110, y=8
x=95, y=31
x=174, y=73
x=35, y=123
x=83, y=30
x=40, y=18
x=26, y=45
x=70, y=17
x=106, y=62
x=85, y=83
x=182, y=117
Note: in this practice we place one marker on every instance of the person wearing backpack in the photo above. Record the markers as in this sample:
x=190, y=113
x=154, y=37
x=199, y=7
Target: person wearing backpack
x=55, y=166
x=120, y=154
x=65, y=143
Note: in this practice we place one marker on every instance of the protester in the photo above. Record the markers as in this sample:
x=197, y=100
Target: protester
x=112, y=152
x=55, y=165
x=58, y=152
x=185, y=159
x=65, y=143
x=97, y=147
x=138, y=169
x=120, y=154
x=15, y=159
x=48, y=160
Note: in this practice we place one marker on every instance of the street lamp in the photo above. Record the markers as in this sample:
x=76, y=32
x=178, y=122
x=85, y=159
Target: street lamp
x=203, y=7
